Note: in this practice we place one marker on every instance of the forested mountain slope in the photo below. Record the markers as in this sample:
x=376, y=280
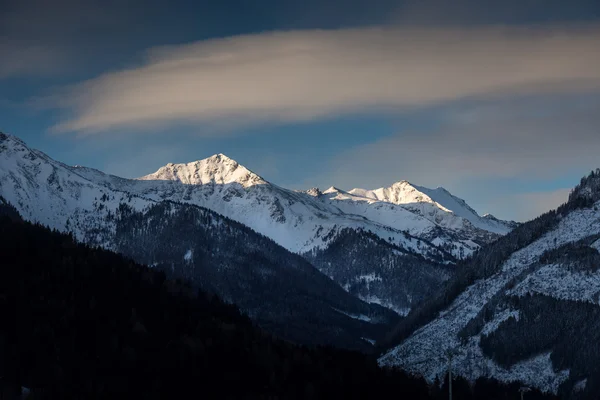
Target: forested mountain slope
x=524, y=308
x=378, y=272
x=281, y=291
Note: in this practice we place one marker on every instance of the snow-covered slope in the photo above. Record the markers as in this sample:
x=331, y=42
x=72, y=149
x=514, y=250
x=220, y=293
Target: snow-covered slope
x=296, y=220
x=310, y=222
x=300, y=221
x=218, y=169
x=437, y=205
x=279, y=290
x=78, y=198
x=50, y=193
x=527, y=314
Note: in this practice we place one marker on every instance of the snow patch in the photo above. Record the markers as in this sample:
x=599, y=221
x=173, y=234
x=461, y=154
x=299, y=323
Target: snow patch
x=557, y=281
x=596, y=245
x=372, y=277
x=499, y=318
x=580, y=385
x=360, y=317
x=369, y=340
x=376, y=300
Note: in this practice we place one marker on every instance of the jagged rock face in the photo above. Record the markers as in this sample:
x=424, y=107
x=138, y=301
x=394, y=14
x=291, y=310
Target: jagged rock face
x=525, y=308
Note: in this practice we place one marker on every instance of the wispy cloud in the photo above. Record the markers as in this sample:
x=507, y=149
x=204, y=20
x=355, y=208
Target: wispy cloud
x=304, y=75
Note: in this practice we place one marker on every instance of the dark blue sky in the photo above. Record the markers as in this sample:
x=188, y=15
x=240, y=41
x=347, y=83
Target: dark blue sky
x=496, y=101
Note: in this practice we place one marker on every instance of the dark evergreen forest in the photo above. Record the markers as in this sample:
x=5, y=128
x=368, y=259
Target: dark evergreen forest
x=281, y=291
x=404, y=278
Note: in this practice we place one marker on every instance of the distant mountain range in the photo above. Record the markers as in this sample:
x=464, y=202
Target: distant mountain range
x=420, y=233
x=257, y=244
x=301, y=221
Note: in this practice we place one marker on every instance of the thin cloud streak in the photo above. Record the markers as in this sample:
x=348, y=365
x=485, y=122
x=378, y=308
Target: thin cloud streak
x=305, y=75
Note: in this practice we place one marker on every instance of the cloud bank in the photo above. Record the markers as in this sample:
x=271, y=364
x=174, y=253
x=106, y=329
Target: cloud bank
x=305, y=75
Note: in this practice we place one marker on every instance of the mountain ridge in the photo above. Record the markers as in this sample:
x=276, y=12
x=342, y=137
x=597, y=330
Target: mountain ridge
x=184, y=173
x=303, y=223
x=52, y=194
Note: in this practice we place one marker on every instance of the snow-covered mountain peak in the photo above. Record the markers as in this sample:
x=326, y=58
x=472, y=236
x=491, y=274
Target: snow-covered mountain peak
x=401, y=193
x=14, y=144
x=490, y=217
x=300, y=221
x=315, y=192
x=331, y=190
x=17, y=153
x=80, y=199
x=216, y=169
x=404, y=192
x=438, y=205
x=6, y=137
x=220, y=157
x=403, y=184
